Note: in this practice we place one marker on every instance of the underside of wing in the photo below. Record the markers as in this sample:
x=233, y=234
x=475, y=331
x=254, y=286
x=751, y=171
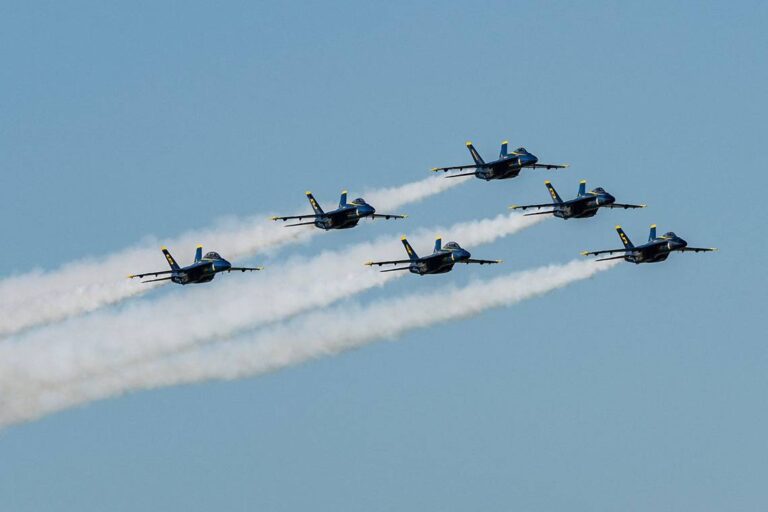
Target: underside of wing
x=454, y=168
x=625, y=206
x=483, y=262
x=244, y=269
x=160, y=279
x=547, y=166
x=611, y=258
x=297, y=217
x=395, y=269
x=155, y=274
x=697, y=249
x=380, y=263
x=609, y=251
x=526, y=206
x=387, y=216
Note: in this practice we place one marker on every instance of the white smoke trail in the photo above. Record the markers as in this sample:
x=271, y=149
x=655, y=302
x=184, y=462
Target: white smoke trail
x=106, y=340
x=307, y=337
x=41, y=297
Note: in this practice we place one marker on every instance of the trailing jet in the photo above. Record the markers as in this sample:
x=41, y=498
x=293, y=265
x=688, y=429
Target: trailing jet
x=658, y=248
x=584, y=205
x=346, y=216
x=508, y=165
x=440, y=261
x=203, y=270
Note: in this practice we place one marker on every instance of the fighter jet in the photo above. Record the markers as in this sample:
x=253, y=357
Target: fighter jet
x=658, y=248
x=584, y=205
x=203, y=270
x=508, y=165
x=440, y=261
x=346, y=216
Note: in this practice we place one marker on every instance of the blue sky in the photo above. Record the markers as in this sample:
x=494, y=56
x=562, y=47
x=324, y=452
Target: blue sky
x=642, y=388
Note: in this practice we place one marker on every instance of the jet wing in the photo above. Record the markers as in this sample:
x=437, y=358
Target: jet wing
x=160, y=279
x=244, y=269
x=387, y=216
x=547, y=166
x=620, y=205
x=392, y=262
x=454, y=168
x=697, y=249
x=482, y=262
x=154, y=274
x=297, y=217
x=526, y=206
x=609, y=251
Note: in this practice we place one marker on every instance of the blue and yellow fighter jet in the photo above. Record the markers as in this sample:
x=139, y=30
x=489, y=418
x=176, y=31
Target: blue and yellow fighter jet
x=658, y=248
x=203, y=270
x=346, y=216
x=508, y=164
x=440, y=261
x=584, y=205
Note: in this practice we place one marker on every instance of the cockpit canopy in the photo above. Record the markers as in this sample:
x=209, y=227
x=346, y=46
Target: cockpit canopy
x=212, y=256
x=599, y=190
x=521, y=150
x=451, y=245
x=670, y=234
x=359, y=200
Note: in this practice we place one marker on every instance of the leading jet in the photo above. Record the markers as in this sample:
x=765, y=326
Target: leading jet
x=508, y=165
x=657, y=248
x=203, y=270
x=442, y=259
x=584, y=205
x=346, y=216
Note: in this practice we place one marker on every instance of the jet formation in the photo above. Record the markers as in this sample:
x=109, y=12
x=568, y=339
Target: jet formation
x=508, y=165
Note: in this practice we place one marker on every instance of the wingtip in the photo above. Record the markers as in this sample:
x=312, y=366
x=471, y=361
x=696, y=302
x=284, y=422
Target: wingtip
x=584, y=253
x=715, y=249
x=368, y=264
x=499, y=261
x=643, y=205
x=513, y=207
x=274, y=217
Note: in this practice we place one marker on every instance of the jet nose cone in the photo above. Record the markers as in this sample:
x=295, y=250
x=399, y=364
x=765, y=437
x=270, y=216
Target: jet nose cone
x=463, y=254
x=367, y=210
x=222, y=265
x=609, y=199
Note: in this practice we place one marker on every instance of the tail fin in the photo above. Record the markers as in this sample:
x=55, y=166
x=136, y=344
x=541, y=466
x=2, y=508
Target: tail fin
x=553, y=192
x=504, y=150
x=475, y=155
x=582, y=188
x=652, y=234
x=438, y=244
x=624, y=238
x=411, y=253
x=171, y=261
x=343, y=199
x=198, y=253
x=314, y=204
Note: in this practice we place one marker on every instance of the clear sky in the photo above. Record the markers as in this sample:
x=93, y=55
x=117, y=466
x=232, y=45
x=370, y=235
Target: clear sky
x=643, y=388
